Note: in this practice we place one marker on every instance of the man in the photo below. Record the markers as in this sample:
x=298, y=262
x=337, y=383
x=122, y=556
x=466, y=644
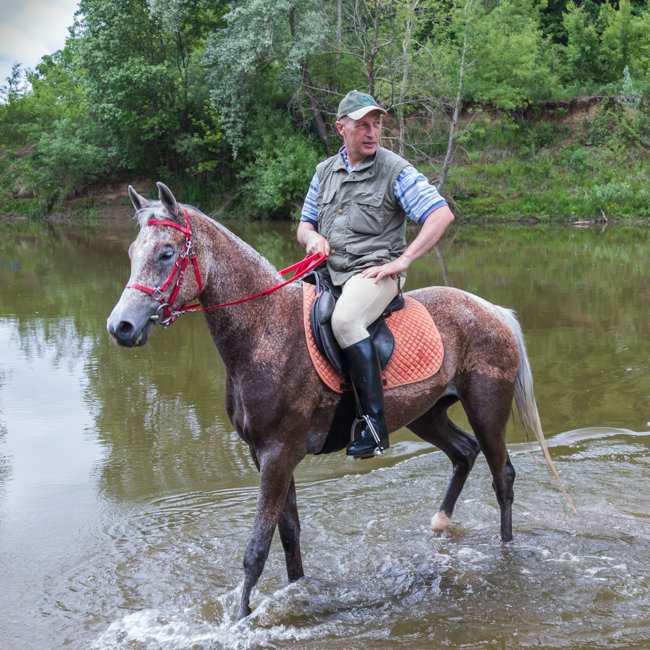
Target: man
x=355, y=211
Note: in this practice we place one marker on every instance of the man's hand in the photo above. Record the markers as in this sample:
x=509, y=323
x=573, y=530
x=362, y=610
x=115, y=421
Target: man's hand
x=312, y=240
x=390, y=268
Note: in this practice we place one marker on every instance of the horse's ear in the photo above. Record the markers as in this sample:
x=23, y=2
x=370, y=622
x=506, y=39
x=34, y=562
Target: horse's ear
x=138, y=201
x=169, y=202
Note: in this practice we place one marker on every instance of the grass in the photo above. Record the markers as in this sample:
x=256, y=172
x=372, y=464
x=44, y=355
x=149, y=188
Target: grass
x=592, y=168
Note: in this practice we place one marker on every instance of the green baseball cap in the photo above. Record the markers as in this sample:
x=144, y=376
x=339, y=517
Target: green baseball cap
x=355, y=105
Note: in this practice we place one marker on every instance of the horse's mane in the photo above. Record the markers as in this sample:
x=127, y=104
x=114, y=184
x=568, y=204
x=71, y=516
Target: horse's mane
x=250, y=256
x=254, y=257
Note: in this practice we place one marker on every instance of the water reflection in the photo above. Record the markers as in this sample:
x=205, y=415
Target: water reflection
x=384, y=580
x=126, y=499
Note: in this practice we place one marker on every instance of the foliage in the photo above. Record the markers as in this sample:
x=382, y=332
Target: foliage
x=67, y=157
x=240, y=97
x=582, y=50
x=138, y=63
x=507, y=69
x=564, y=179
x=262, y=47
x=280, y=167
x=600, y=46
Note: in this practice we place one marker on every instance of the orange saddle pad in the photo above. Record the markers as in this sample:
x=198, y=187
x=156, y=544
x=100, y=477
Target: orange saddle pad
x=418, y=348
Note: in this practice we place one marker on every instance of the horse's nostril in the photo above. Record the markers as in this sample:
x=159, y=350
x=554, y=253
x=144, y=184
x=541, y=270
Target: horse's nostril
x=124, y=328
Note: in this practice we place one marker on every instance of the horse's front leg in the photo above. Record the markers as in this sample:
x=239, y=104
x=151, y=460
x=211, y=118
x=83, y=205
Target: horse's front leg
x=276, y=478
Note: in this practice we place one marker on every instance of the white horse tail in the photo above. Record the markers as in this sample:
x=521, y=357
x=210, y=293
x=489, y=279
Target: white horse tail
x=525, y=397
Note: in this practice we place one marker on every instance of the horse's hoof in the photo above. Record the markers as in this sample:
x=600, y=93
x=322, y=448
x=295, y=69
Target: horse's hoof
x=440, y=522
x=244, y=612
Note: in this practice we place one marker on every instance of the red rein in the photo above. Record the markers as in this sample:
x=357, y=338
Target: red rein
x=175, y=278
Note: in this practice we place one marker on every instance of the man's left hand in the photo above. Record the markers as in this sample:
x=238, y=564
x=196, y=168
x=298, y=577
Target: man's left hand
x=390, y=268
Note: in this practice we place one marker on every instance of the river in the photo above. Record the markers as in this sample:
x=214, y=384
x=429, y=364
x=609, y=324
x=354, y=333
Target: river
x=126, y=499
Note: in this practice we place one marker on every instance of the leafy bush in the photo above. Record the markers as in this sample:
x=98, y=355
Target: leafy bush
x=66, y=159
x=280, y=163
x=617, y=197
x=579, y=160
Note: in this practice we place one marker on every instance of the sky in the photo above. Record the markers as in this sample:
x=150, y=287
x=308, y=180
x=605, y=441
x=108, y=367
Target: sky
x=29, y=29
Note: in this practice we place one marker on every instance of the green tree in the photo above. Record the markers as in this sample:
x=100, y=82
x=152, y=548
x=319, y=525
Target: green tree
x=59, y=152
x=583, y=45
x=138, y=66
x=600, y=46
x=16, y=85
x=262, y=54
x=277, y=164
x=625, y=41
x=486, y=54
x=507, y=68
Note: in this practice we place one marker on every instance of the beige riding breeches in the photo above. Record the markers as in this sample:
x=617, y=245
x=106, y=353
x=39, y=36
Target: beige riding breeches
x=361, y=303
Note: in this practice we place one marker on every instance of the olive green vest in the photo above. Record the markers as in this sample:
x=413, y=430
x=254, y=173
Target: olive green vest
x=358, y=213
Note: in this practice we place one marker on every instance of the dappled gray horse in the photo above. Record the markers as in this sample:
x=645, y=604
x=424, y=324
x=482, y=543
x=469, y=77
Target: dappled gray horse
x=274, y=398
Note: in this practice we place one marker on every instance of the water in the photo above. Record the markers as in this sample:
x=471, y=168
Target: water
x=126, y=499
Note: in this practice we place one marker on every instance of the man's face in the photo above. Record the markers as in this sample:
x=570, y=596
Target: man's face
x=360, y=137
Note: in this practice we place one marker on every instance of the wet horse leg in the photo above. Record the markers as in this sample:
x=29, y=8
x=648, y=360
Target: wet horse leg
x=289, y=527
x=276, y=477
x=488, y=414
x=461, y=448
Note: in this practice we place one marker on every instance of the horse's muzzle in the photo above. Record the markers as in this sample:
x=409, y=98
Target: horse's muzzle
x=132, y=329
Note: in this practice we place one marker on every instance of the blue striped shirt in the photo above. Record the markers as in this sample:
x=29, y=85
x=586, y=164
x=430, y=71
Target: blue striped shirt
x=413, y=192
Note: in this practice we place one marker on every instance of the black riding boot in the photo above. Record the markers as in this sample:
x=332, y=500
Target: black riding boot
x=365, y=373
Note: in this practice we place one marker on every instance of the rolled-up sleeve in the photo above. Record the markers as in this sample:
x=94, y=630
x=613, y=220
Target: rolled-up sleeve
x=416, y=195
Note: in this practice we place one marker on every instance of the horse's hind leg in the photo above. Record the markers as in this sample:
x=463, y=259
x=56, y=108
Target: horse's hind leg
x=461, y=448
x=488, y=414
x=289, y=527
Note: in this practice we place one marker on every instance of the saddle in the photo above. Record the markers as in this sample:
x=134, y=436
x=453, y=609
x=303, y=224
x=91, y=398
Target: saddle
x=408, y=343
x=416, y=351
x=320, y=317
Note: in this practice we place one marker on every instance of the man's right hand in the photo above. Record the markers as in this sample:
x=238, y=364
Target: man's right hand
x=312, y=240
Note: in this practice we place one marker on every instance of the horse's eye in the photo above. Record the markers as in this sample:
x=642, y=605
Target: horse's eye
x=166, y=255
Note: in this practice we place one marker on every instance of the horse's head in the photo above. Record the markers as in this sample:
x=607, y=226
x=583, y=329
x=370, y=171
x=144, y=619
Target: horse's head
x=160, y=255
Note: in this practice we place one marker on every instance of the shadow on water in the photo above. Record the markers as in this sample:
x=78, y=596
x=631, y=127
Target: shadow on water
x=126, y=499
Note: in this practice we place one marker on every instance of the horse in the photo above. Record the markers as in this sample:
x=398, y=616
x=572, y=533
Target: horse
x=274, y=398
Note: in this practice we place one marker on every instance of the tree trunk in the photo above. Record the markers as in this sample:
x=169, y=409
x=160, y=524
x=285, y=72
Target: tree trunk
x=339, y=22
x=321, y=129
x=451, y=147
x=411, y=7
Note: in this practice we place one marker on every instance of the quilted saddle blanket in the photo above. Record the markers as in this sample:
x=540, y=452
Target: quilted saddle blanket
x=418, y=351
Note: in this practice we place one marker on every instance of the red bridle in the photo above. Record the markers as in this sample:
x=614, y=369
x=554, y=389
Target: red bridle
x=175, y=278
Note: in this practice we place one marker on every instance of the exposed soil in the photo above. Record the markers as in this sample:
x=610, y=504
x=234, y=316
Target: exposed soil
x=107, y=202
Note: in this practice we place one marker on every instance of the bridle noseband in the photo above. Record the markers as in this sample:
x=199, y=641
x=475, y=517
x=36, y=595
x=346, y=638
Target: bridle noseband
x=175, y=278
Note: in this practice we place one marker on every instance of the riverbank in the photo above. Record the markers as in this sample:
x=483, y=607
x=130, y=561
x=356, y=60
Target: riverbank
x=507, y=189
x=501, y=191
x=589, y=166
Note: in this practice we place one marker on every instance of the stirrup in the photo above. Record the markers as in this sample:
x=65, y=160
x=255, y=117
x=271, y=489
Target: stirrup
x=377, y=450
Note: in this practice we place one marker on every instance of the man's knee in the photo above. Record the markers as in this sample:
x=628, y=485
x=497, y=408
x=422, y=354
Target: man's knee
x=347, y=328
